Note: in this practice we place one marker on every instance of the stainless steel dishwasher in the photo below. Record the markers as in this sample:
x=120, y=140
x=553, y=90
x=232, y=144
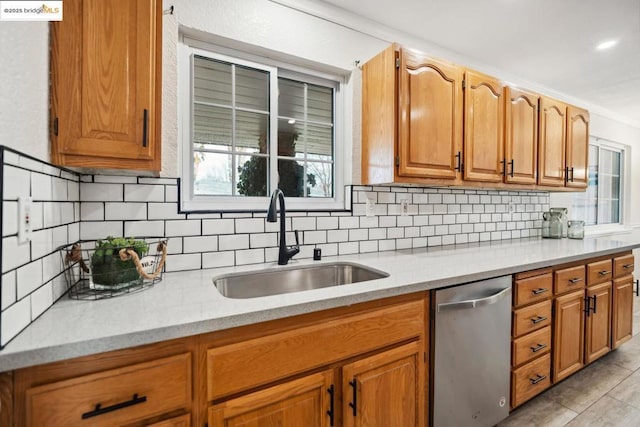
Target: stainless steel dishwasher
x=471, y=367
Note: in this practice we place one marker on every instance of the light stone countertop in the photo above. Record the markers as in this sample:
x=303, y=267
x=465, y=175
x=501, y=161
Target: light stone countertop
x=187, y=303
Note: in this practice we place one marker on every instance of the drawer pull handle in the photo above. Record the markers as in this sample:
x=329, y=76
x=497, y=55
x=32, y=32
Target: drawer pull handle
x=145, y=126
x=538, y=319
x=595, y=301
x=354, y=403
x=537, y=379
x=575, y=280
x=99, y=410
x=539, y=291
x=538, y=348
x=627, y=266
x=331, y=411
x=604, y=272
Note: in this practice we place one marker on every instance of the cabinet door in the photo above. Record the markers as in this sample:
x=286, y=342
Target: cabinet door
x=622, y=318
x=385, y=390
x=598, y=327
x=577, y=147
x=105, y=67
x=552, y=142
x=483, y=128
x=182, y=421
x=521, y=136
x=430, y=122
x=568, y=343
x=302, y=402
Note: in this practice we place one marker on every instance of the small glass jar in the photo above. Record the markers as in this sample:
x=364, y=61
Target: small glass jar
x=563, y=218
x=545, y=224
x=575, y=229
x=555, y=225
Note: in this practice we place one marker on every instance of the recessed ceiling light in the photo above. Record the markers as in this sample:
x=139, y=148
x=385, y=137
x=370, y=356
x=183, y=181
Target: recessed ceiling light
x=607, y=45
x=291, y=121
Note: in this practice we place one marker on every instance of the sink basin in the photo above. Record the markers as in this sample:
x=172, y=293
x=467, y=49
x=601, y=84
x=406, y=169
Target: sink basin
x=294, y=279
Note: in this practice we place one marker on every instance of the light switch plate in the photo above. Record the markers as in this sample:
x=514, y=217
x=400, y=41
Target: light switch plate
x=25, y=226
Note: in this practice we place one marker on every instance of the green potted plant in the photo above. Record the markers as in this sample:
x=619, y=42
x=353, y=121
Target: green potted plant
x=108, y=269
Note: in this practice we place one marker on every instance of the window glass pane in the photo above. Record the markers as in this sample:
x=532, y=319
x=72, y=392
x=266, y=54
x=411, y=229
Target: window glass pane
x=252, y=89
x=211, y=125
x=211, y=81
x=317, y=140
x=252, y=132
x=291, y=99
x=320, y=174
x=320, y=104
x=292, y=180
x=212, y=174
x=253, y=176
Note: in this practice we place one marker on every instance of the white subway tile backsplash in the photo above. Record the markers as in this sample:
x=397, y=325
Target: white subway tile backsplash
x=73, y=191
x=41, y=243
x=125, y=211
x=187, y=227
x=346, y=248
x=143, y=229
x=200, y=244
x=304, y=223
x=395, y=232
x=223, y=226
x=315, y=237
x=9, y=218
x=14, y=254
x=358, y=234
x=218, y=259
x=143, y=193
x=116, y=179
x=15, y=319
x=250, y=256
x=59, y=189
x=349, y=222
x=327, y=223
x=16, y=183
x=92, y=211
x=29, y=278
x=164, y=211
x=91, y=192
x=233, y=242
x=41, y=300
x=100, y=229
x=183, y=262
x=256, y=225
x=377, y=233
x=171, y=193
x=8, y=295
x=387, y=245
x=265, y=240
x=369, y=246
x=163, y=181
x=335, y=236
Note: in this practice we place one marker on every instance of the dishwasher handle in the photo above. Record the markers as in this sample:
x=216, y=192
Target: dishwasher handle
x=473, y=303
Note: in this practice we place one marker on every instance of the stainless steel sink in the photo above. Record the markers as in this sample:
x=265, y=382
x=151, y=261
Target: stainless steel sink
x=284, y=280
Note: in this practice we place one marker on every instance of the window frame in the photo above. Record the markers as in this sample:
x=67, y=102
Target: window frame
x=602, y=143
x=189, y=202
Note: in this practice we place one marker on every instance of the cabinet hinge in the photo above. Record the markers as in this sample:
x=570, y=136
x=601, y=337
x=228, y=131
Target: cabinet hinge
x=397, y=160
x=397, y=62
x=55, y=126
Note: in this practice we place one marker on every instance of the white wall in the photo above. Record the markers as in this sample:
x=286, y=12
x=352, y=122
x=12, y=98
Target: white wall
x=24, y=87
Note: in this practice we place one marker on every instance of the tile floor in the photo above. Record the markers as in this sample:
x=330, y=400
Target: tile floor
x=605, y=393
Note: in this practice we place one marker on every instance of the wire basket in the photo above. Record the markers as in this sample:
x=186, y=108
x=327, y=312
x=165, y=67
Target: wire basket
x=93, y=272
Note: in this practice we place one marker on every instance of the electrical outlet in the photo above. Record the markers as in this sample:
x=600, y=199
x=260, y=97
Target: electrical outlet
x=24, y=219
x=404, y=207
x=369, y=207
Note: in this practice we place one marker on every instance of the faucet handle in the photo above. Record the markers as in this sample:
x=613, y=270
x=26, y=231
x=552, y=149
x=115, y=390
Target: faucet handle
x=295, y=232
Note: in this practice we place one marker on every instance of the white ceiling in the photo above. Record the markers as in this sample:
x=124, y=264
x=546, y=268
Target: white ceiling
x=549, y=42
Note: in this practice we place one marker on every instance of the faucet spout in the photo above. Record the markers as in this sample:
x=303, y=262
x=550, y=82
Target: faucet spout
x=285, y=253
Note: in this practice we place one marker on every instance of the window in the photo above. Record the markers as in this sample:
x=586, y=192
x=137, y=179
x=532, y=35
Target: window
x=602, y=202
x=251, y=125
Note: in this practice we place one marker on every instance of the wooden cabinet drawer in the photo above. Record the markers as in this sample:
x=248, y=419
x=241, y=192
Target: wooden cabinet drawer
x=113, y=397
x=530, y=346
x=532, y=289
x=623, y=265
x=182, y=421
x=599, y=272
x=530, y=380
x=569, y=279
x=531, y=318
x=252, y=363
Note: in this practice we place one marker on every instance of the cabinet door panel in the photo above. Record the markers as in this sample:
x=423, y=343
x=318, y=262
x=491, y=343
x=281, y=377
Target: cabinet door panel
x=577, y=147
x=568, y=343
x=622, y=318
x=301, y=402
x=483, y=128
x=388, y=389
x=598, y=325
x=521, y=136
x=552, y=142
x=430, y=125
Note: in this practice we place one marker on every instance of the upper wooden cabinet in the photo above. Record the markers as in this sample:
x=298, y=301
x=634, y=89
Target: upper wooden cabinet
x=106, y=84
x=483, y=128
x=564, y=145
x=521, y=136
x=412, y=118
x=577, y=147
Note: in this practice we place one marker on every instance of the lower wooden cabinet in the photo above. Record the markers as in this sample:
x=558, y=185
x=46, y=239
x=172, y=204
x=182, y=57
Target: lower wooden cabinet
x=530, y=380
x=308, y=401
x=181, y=421
x=568, y=344
x=622, y=311
x=385, y=390
x=598, y=322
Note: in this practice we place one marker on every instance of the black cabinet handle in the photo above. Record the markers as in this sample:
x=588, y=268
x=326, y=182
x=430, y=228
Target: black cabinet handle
x=537, y=379
x=538, y=348
x=637, y=282
x=627, y=266
x=604, y=272
x=354, y=403
x=503, y=162
x=458, y=162
x=145, y=125
x=512, y=168
x=331, y=410
x=99, y=410
x=595, y=301
x=566, y=174
x=538, y=319
x=575, y=280
x=571, y=173
x=587, y=303
x=539, y=291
